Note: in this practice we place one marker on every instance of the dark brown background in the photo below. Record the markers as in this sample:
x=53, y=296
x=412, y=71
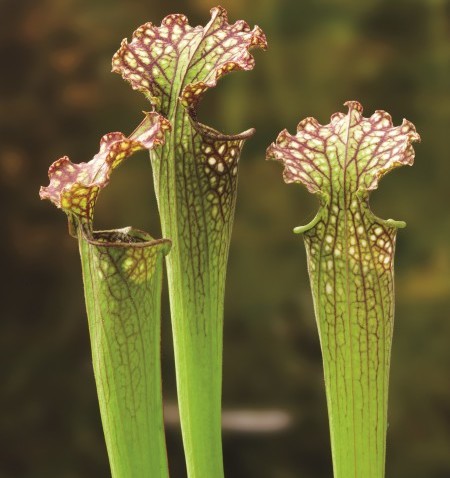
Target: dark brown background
x=57, y=97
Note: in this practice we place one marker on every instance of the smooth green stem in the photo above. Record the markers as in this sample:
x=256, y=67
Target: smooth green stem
x=122, y=274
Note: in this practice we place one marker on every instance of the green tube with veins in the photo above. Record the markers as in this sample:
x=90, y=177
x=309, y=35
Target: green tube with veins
x=195, y=176
x=122, y=275
x=350, y=256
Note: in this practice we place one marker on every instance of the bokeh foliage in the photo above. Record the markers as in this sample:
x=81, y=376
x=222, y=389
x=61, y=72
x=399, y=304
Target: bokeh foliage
x=57, y=97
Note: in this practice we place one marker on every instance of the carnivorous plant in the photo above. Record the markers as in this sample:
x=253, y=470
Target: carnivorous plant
x=350, y=255
x=195, y=177
x=122, y=275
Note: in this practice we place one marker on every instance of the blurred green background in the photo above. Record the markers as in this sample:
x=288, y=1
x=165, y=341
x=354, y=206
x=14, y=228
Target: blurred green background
x=57, y=97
